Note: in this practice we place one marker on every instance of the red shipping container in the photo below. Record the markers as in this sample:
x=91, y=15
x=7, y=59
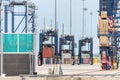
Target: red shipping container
x=48, y=52
x=86, y=60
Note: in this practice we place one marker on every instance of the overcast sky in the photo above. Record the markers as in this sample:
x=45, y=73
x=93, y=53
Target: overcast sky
x=46, y=8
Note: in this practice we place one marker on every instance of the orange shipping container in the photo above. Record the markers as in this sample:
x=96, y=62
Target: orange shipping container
x=103, y=27
x=95, y=60
x=103, y=24
x=103, y=30
x=104, y=14
x=104, y=41
x=48, y=52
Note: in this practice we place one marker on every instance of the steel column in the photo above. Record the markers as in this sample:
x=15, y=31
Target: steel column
x=6, y=19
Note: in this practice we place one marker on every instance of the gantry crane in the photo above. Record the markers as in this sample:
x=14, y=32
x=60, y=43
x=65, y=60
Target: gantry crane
x=109, y=33
x=67, y=40
x=83, y=42
x=48, y=50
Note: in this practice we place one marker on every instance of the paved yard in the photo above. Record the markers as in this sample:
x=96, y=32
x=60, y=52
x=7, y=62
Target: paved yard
x=83, y=69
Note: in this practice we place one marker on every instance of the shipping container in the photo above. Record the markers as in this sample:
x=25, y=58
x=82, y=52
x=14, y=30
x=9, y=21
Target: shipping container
x=48, y=52
x=82, y=60
x=116, y=22
x=67, y=60
x=85, y=55
x=86, y=61
x=103, y=30
x=98, y=57
x=103, y=14
x=95, y=60
x=104, y=23
x=112, y=29
x=103, y=27
x=66, y=55
x=47, y=60
x=104, y=41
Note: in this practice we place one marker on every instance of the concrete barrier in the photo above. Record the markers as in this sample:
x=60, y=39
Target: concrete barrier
x=10, y=78
x=63, y=78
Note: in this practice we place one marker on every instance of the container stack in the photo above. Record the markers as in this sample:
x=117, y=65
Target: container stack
x=85, y=59
x=85, y=55
x=103, y=29
x=66, y=58
x=96, y=58
x=48, y=55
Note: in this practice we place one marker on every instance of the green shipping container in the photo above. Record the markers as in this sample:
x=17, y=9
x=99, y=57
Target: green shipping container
x=25, y=43
x=10, y=42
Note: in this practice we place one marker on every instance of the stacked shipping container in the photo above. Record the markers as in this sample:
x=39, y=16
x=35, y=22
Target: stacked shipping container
x=66, y=58
x=103, y=29
x=48, y=55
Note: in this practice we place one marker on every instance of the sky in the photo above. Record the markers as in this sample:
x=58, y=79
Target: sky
x=46, y=8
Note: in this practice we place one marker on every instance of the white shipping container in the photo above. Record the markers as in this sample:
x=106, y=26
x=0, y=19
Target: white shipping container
x=85, y=55
x=117, y=21
x=117, y=29
x=66, y=55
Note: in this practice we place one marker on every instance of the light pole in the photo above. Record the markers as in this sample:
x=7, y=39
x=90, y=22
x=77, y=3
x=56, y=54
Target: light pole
x=70, y=17
x=84, y=32
x=56, y=14
x=91, y=13
x=83, y=29
x=44, y=23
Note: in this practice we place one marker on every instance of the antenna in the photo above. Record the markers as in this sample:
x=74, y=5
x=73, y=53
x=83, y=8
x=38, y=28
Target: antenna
x=70, y=17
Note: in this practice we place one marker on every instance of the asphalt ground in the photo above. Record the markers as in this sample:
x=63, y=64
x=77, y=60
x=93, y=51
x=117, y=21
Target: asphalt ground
x=77, y=70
